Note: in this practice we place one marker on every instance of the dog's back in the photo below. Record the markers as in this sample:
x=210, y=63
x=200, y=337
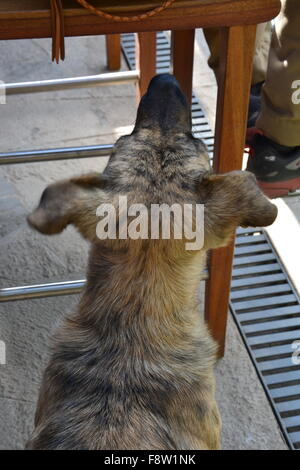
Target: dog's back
x=129, y=373
x=132, y=369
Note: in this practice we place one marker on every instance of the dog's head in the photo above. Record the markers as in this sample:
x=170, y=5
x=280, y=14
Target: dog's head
x=161, y=162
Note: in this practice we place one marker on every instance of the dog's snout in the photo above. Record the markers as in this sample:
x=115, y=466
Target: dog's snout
x=166, y=84
x=164, y=106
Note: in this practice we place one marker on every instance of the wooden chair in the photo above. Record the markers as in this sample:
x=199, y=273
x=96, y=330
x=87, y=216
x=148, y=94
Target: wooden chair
x=237, y=19
x=113, y=51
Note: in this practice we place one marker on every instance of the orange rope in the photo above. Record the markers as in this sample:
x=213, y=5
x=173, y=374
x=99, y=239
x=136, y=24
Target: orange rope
x=108, y=16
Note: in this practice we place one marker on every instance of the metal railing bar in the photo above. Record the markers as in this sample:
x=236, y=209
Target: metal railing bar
x=52, y=289
x=41, y=290
x=114, y=78
x=64, y=153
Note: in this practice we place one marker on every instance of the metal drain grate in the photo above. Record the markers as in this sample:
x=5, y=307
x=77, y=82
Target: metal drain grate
x=263, y=302
x=266, y=309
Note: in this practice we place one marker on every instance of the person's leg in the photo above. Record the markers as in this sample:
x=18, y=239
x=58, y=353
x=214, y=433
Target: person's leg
x=275, y=155
x=260, y=62
x=280, y=114
x=261, y=54
x=260, y=59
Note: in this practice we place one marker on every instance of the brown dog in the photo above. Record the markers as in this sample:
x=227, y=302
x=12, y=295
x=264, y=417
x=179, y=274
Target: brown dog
x=133, y=367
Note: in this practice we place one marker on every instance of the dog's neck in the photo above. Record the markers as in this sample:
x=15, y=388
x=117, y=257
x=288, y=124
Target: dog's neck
x=141, y=319
x=147, y=292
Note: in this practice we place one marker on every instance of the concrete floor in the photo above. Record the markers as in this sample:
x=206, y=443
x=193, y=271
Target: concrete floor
x=81, y=117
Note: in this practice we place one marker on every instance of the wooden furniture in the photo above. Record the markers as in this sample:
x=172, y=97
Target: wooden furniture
x=20, y=19
x=113, y=51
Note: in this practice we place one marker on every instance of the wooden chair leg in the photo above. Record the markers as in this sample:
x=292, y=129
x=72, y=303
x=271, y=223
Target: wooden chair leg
x=232, y=106
x=183, y=59
x=113, y=51
x=145, y=60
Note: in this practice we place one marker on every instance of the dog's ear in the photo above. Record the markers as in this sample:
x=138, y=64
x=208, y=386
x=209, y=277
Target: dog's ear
x=232, y=200
x=71, y=201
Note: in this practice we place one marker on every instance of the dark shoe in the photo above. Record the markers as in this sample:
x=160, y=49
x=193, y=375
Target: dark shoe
x=277, y=168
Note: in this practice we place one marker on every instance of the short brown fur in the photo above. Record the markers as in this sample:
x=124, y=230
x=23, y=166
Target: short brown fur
x=132, y=368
